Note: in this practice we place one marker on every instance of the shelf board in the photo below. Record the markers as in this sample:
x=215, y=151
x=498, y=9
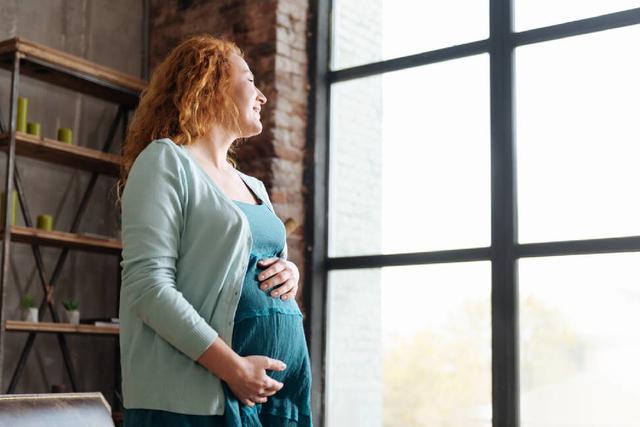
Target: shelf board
x=65, y=240
x=58, y=152
x=65, y=328
x=70, y=71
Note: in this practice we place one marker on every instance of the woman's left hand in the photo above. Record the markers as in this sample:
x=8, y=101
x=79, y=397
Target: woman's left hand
x=279, y=273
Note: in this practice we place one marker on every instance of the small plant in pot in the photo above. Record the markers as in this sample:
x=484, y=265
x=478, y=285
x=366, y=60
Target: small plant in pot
x=71, y=311
x=29, y=309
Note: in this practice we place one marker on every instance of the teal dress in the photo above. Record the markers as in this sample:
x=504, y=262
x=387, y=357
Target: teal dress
x=264, y=325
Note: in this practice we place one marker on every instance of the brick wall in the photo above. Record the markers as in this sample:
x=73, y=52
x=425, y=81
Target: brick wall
x=272, y=34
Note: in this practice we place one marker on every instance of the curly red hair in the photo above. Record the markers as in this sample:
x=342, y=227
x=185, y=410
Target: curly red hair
x=187, y=94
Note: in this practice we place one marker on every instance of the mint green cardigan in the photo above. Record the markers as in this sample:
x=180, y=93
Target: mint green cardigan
x=186, y=248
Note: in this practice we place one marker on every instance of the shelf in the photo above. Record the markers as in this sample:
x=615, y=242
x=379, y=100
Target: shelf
x=65, y=328
x=75, y=73
x=65, y=240
x=58, y=152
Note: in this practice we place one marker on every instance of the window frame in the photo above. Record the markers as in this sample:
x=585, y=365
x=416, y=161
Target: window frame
x=504, y=251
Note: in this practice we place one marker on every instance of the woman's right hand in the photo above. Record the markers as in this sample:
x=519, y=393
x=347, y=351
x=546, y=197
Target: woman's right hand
x=246, y=376
x=251, y=384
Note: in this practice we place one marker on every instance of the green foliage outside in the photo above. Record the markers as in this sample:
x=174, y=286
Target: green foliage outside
x=443, y=378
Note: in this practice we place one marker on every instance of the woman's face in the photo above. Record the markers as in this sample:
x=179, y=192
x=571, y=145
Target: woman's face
x=246, y=96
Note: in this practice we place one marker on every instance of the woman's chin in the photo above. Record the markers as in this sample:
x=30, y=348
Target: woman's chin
x=254, y=129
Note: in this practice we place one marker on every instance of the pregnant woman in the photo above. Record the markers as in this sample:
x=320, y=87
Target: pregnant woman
x=211, y=334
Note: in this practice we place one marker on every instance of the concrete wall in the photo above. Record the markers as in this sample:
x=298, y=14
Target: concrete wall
x=108, y=32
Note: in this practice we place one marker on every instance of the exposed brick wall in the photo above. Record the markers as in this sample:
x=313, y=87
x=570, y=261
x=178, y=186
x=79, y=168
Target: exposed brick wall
x=272, y=34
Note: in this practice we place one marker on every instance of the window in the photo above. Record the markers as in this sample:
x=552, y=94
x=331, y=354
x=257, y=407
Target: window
x=404, y=176
x=481, y=225
x=578, y=340
x=577, y=137
x=414, y=350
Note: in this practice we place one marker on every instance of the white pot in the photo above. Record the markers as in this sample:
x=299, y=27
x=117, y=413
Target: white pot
x=73, y=316
x=30, y=314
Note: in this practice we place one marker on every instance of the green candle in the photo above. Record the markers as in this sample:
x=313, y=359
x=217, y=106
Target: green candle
x=45, y=222
x=65, y=135
x=14, y=204
x=33, y=128
x=22, y=114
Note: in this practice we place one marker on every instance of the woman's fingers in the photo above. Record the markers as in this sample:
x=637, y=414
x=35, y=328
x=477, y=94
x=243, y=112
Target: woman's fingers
x=276, y=280
x=265, y=262
x=283, y=289
x=291, y=294
x=274, y=365
x=255, y=386
x=269, y=392
x=270, y=276
x=273, y=386
x=280, y=275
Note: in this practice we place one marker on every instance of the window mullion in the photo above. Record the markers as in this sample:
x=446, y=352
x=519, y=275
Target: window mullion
x=504, y=298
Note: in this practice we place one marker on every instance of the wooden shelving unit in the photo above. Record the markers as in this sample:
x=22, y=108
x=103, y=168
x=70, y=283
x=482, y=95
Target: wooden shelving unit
x=50, y=150
x=66, y=70
x=23, y=57
x=53, y=327
x=61, y=239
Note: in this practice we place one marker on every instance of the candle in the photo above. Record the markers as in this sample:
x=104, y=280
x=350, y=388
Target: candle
x=14, y=203
x=45, y=222
x=33, y=128
x=23, y=103
x=65, y=135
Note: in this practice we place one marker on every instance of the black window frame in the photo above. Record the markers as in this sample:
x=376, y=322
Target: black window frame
x=504, y=251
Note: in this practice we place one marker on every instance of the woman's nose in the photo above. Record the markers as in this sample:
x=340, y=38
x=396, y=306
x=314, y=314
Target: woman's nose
x=261, y=97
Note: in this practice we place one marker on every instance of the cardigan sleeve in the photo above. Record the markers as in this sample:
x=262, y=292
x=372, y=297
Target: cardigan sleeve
x=152, y=220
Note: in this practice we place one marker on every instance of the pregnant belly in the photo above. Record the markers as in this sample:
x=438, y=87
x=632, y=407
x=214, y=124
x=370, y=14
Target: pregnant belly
x=278, y=336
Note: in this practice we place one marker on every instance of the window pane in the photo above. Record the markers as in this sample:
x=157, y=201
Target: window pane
x=371, y=31
x=577, y=137
x=409, y=346
x=579, y=340
x=410, y=160
x=541, y=13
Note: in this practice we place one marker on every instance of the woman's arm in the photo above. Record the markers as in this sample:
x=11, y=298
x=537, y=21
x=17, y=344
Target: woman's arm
x=152, y=220
x=246, y=376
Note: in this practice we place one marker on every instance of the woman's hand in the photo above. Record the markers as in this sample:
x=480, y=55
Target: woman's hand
x=281, y=273
x=251, y=384
x=246, y=376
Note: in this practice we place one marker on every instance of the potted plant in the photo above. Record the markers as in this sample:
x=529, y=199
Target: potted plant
x=29, y=309
x=71, y=311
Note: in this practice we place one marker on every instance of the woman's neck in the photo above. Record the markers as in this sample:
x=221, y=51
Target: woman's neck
x=213, y=149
